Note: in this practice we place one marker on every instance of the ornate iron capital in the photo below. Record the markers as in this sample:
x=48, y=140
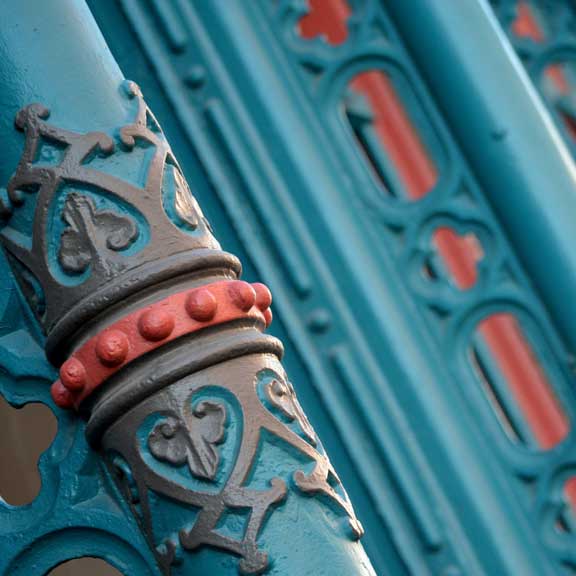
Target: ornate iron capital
x=161, y=348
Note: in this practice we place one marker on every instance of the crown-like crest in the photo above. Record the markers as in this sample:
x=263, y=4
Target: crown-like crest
x=109, y=213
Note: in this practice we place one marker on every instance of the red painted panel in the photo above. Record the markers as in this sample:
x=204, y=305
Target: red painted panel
x=397, y=134
x=525, y=25
x=526, y=379
x=326, y=18
x=399, y=138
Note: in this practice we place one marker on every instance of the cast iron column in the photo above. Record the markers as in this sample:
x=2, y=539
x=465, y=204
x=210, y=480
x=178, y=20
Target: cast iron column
x=159, y=344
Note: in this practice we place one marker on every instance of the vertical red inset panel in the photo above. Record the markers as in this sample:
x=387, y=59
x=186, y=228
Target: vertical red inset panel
x=397, y=134
x=400, y=141
x=570, y=492
x=460, y=255
x=525, y=379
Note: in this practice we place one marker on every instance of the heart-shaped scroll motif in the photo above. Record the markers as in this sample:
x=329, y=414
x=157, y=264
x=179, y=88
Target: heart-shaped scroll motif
x=172, y=441
x=186, y=206
x=282, y=396
x=89, y=229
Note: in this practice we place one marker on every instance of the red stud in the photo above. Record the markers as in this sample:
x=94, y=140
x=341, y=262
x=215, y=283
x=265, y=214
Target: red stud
x=73, y=375
x=263, y=296
x=61, y=396
x=112, y=347
x=201, y=305
x=267, y=316
x=156, y=324
x=242, y=295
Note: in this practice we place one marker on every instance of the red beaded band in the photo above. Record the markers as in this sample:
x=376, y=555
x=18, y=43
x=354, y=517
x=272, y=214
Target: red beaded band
x=153, y=326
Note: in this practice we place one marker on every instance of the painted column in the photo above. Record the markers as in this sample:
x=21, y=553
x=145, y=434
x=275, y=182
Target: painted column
x=510, y=140
x=160, y=346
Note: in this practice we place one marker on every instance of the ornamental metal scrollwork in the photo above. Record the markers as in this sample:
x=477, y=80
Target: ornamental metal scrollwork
x=185, y=204
x=281, y=395
x=111, y=222
x=173, y=441
x=90, y=233
x=185, y=430
x=193, y=436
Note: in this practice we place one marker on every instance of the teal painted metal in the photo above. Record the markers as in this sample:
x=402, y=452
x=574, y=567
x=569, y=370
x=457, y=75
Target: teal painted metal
x=435, y=480
x=380, y=352
x=553, y=46
x=71, y=70
x=549, y=59
x=78, y=511
x=68, y=518
x=513, y=147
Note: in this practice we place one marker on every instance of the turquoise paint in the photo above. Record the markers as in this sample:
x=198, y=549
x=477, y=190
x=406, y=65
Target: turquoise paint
x=169, y=187
x=67, y=519
x=102, y=201
x=88, y=93
x=36, y=537
x=513, y=146
x=228, y=449
x=379, y=356
x=79, y=511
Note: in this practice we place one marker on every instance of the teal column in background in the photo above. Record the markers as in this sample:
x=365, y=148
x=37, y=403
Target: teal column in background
x=513, y=145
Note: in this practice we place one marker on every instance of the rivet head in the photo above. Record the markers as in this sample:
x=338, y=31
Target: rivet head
x=112, y=347
x=201, y=305
x=73, y=374
x=195, y=77
x=267, y=316
x=156, y=325
x=242, y=294
x=263, y=296
x=62, y=397
x=319, y=321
